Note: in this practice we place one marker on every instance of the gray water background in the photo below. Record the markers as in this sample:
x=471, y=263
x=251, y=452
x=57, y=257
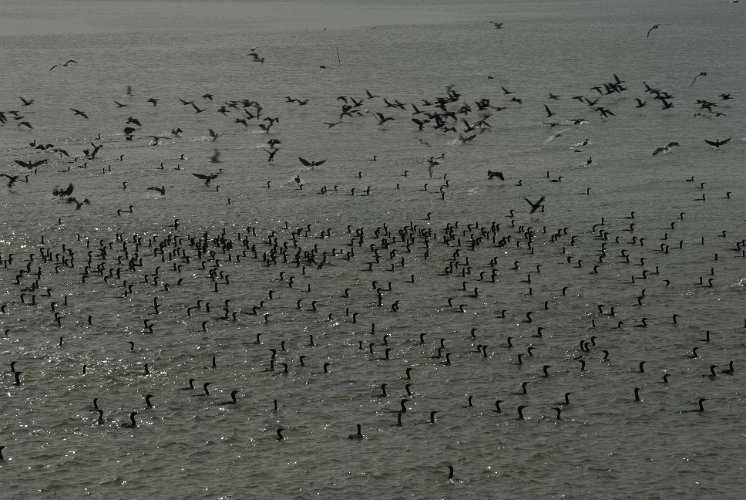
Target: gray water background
x=606, y=445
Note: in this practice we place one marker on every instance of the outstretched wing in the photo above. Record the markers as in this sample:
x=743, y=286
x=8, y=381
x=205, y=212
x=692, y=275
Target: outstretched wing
x=305, y=162
x=535, y=206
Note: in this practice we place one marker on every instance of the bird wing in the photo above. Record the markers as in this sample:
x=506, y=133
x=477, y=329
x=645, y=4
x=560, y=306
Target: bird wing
x=202, y=176
x=319, y=163
x=534, y=206
x=672, y=144
x=305, y=162
x=658, y=150
x=712, y=143
x=24, y=164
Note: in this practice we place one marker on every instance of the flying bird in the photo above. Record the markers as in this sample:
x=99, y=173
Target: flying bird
x=383, y=119
x=79, y=113
x=65, y=64
x=535, y=206
x=717, y=142
x=702, y=73
x=309, y=163
x=665, y=149
x=30, y=165
x=271, y=153
x=655, y=27
x=216, y=157
x=63, y=192
x=11, y=179
x=78, y=204
x=207, y=177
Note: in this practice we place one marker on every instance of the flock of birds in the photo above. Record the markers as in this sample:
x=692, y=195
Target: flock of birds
x=350, y=286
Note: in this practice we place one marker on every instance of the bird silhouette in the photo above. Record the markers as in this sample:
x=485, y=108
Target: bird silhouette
x=717, y=142
x=30, y=165
x=535, y=206
x=78, y=204
x=206, y=177
x=79, y=113
x=310, y=163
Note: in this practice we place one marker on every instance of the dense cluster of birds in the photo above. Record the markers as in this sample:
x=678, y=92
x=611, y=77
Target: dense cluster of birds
x=470, y=264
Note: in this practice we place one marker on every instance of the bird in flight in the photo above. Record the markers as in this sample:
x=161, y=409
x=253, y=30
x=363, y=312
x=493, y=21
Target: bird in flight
x=161, y=189
x=309, y=163
x=383, y=119
x=11, y=179
x=271, y=153
x=703, y=73
x=30, y=165
x=535, y=206
x=63, y=192
x=717, y=142
x=216, y=157
x=78, y=204
x=65, y=64
x=255, y=57
x=665, y=149
x=207, y=177
x=655, y=27
x=79, y=113
x=498, y=26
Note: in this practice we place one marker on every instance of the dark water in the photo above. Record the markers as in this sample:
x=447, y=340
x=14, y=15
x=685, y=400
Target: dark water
x=443, y=225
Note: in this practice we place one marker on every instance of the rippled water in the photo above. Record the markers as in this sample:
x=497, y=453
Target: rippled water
x=449, y=231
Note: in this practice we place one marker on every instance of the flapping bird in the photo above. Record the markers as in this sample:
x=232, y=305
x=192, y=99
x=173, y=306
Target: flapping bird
x=702, y=73
x=206, y=177
x=535, y=206
x=78, y=204
x=11, y=179
x=309, y=163
x=665, y=149
x=30, y=165
x=717, y=142
x=79, y=113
